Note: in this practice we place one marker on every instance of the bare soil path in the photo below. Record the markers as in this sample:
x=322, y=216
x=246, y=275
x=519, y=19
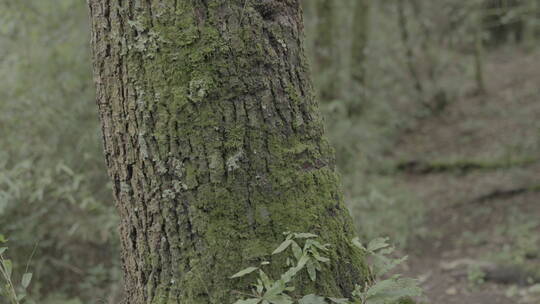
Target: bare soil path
x=477, y=167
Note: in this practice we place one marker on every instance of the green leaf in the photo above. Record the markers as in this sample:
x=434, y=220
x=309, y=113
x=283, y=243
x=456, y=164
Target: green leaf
x=62, y=167
x=356, y=242
x=288, y=261
x=317, y=265
x=244, y=272
x=2, y=238
x=387, y=251
x=302, y=262
x=319, y=245
x=308, y=244
x=282, y=246
x=290, y=288
x=259, y=286
x=383, y=264
x=289, y=274
x=311, y=271
x=320, y=258
x=7, y=267
x=358, y=291
x=26, y=279
x=339, y=300
x=312, y=299
x=381, y=287
x=3, y=249
x=377, y=244
x=297, y=251
x=267, y=283
x=277, y=289
x=280, y=299
x=305, y=235
x=248, y=301
x=393, y=289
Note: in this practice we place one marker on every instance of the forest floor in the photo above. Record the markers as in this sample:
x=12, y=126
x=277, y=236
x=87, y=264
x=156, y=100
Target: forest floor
x=477, y=167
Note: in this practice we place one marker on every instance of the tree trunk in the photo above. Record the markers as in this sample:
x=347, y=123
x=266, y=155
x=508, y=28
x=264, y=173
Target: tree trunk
x=479, y=54
x=409, y=52
x=502, y=21
x=214, y=145
x=358, y=54
x=324, y=48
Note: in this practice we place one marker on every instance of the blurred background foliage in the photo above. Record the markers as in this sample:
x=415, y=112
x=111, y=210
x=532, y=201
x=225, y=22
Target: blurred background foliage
x=388, y=73
x=53, y=186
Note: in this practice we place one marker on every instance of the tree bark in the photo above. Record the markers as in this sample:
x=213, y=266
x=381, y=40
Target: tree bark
x=214, y=145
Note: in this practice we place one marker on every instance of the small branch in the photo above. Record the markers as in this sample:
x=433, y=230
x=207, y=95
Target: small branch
x=497, y=273
x=501, y=194
x=459, y=166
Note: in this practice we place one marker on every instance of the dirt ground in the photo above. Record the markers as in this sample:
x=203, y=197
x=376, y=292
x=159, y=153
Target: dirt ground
x=477, y=167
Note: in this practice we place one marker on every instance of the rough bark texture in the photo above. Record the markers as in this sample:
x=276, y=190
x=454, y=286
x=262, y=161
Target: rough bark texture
x=214, y=145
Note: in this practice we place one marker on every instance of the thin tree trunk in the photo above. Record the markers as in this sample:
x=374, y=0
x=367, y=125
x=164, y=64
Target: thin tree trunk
x=479, y=61
x=427, y=50
x=358, y=54
x=409, y=52
x=310, y=27
x=435, y=97
x=532, y=15
x=214, y=145
x=324, y=48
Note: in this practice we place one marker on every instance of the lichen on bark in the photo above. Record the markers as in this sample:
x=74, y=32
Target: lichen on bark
x=214, y=144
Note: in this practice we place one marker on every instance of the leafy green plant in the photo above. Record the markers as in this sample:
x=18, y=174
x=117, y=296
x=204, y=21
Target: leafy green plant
x=269, y=291
x=14, y=293
x=384, y=290
x=311, y=257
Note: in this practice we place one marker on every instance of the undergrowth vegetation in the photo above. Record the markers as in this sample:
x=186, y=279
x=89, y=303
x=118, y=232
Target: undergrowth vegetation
x=10, y=289
x=54, y=196
x=306, y=254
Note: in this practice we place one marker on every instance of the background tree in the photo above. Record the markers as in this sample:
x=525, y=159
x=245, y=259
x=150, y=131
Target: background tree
x=325, y=49
x=214, y=145
x=503, y=19
x=55, y=199
x=360, y=32
x=409, y=51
